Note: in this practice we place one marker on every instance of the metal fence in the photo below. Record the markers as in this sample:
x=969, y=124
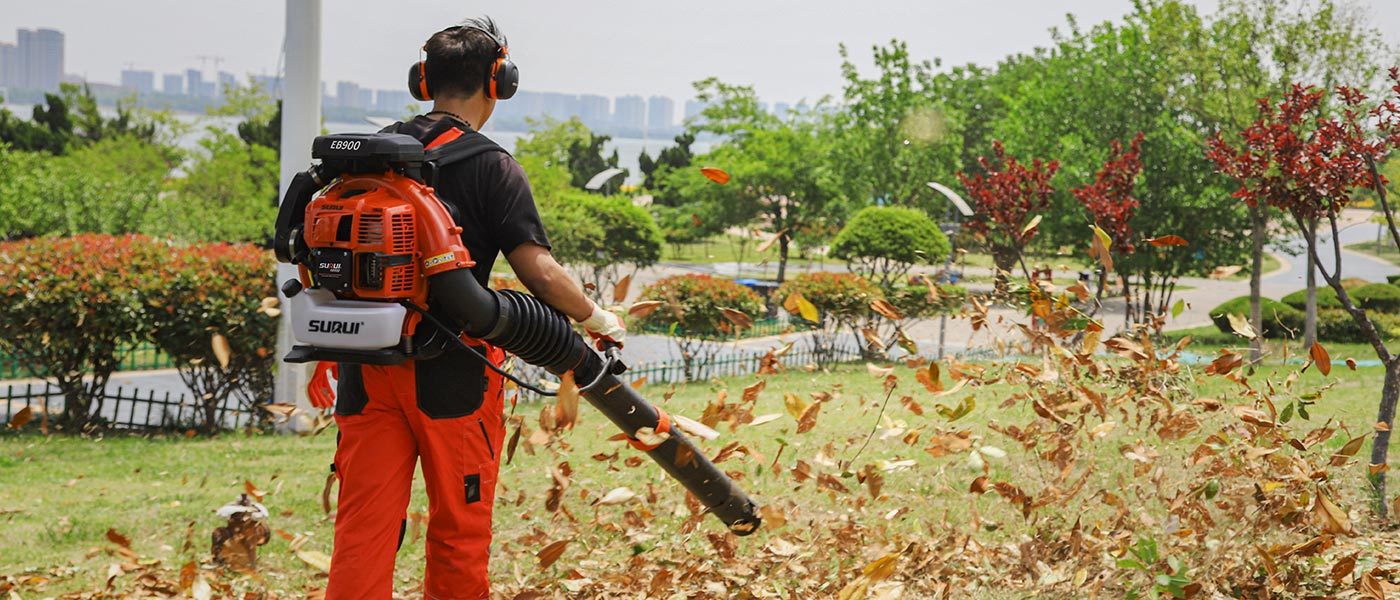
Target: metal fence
x=137, y=357
x=122, y=408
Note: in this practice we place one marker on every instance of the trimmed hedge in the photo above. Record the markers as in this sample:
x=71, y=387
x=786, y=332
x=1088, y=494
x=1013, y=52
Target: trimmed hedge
x=691, y=304
x=1326, y=298
x=1279, y=318
x=1338, y=326
x=1379, y=297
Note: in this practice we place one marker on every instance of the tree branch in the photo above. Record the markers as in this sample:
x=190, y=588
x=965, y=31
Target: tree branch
x=1381, y=195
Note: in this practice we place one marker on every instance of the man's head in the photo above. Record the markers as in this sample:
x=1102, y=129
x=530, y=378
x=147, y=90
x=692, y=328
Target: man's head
x=460, y=59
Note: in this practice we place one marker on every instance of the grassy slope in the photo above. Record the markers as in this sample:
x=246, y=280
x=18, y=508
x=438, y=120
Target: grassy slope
x=68, y=491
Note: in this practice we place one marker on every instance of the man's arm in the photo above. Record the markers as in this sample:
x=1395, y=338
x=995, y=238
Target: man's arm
x=549, y=281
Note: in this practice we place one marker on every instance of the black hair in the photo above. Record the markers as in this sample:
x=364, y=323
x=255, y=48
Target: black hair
x=459, y=58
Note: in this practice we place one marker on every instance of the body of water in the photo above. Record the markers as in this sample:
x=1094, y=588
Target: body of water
x=628, y=149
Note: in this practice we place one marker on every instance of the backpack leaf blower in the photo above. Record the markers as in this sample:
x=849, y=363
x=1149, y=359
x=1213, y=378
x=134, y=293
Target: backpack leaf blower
x=372, y=243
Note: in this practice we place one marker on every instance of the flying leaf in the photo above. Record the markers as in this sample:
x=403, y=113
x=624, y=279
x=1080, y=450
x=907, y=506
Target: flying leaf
x=797, y=305
x=886, y=310
x=1030, y=225
x=1167, y=240
x=878, y=371
x=738, y=318
x=620, y=290
x=21, y=418
x=1320, y=358
x=551, y=553
x=761, y=419
x=117, y=538
x=716, y=175
x=1242, y=328
x=768, y=243
x=566, y=407
x=1178, y=307
x=808, y=419
x=930, y=378
x=1099, y=247
x=315, y=559
x=794, y=404
x=1225, y=271
x=221, y=349
x=643, y=308
x=615, y=496
x=1331, y=517
x=253, y=491
x=695, y=428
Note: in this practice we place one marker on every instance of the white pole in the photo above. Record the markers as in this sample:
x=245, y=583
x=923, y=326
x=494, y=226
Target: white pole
x=301, y=122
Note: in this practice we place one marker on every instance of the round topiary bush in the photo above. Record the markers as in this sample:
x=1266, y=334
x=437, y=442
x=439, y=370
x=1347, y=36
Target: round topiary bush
x=882, y=243
x=1378, y=297
x=1279, y=318
x=691, y=304
x=1326, y=298
x=1338, y=326
x=838, y=297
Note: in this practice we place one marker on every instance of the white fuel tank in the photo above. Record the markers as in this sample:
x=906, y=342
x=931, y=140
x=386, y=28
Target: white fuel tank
x=320, y=319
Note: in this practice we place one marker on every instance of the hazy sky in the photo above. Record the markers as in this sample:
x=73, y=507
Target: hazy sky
x=786, y=48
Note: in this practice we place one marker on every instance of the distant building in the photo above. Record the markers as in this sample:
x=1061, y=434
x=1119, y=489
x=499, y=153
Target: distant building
x=39, y=59
x=661, y=113
x=594, y=110
x=781, y=109
x=227, y=81
x=630, y=112
x=347, y=95
x=194, y=82
x=392, y=101
x=693, y=108
x=10, y=74
x=172, y=83
x=269, y=84
x=141, y=82
x=560, y=106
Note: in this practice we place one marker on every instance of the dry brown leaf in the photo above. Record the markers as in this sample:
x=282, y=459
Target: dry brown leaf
x=1225, y=271
x=253, y=491
x=566, y=405
x=794, y=404
x=808, y=419
x=643, y=308
x=1167, y=240
x=886, y=310
x=1320, y=358
x=737, y=317
x=222, y=353
x=878, y=371
x=20, y=418
x=551, y=553
x=317, y=560
x=715, y=174
x=1331, y=518
x=621, y=288
x=117, y=538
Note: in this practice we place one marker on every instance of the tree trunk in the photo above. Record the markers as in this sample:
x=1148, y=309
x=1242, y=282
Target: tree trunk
x=1257, y=239
x=1310, y=316
x=1380, y=445
x=1005, y=260
x=782, y=256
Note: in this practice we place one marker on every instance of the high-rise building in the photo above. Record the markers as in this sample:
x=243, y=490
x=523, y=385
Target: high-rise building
x=394, y=102
x=693, y=108
x=227, y=81
x=347, y=95
x=40, y=58
x=172, y=83
x=269, y=84
x=781, y=109
x=194, y=82
x=593, y=110
x=630, y=112
x=661, y=114
x=141, y=82
x=9, y=65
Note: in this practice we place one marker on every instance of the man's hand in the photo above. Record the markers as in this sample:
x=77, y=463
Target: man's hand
x=605, y=327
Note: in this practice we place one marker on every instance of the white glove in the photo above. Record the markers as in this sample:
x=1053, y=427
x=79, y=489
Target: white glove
x=604, y=327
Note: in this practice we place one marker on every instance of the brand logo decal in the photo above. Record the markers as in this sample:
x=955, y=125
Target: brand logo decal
x=345, y=145
x=437, y=260
x=343, y=327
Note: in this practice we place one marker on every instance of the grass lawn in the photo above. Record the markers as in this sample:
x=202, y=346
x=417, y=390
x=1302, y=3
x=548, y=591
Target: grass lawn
x=1384, y=250
x=60, y=495
x=724, y=248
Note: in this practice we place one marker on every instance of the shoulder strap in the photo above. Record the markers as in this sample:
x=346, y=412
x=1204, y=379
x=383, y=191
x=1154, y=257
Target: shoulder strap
x=454, y=146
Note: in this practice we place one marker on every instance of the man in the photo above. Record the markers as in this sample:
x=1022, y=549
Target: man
x=446, y=410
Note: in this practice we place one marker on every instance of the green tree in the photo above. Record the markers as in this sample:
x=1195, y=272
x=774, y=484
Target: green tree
x=572, y=145
x=602, y=239
x=670, y=158
x=893, y=132
x=228, y=193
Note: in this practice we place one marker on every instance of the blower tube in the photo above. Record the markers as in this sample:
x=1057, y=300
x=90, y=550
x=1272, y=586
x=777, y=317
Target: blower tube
x=542, y=336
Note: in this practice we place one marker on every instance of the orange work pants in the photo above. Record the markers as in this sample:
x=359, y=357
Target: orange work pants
x=375, y=458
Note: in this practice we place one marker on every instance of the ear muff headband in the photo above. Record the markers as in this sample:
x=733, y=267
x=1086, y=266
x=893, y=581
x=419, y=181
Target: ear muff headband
x=501, y=82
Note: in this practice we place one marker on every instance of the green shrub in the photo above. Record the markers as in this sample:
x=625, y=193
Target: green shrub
x=840, y=298
x=1326, y=298
x=1338, y=326
x=602, y=238
x=1377, y=297
x=913, y=300
x=691, y=304
x=1279, y=318
x=197, y=292
x=228, y=194
x=1392, y=279
x=111, y=186
x=68, y=304
x=882, y=243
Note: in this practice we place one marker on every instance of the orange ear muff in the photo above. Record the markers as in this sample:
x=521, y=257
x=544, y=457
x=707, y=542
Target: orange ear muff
x=418, y=81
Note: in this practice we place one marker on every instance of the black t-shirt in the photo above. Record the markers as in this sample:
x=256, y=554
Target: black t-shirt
x=490, y=194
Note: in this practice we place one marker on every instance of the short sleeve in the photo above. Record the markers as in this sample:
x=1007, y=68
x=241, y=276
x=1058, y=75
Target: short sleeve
x=511, y=216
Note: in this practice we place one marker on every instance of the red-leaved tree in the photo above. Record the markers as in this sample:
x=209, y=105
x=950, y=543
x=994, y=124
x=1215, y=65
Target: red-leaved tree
x=1309, y=165
x=1008, y=195
x=1110, y=202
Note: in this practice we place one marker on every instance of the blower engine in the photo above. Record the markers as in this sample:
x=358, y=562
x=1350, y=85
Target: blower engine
x=373, y=243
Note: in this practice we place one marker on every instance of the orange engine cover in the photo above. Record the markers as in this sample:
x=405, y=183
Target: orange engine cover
x=379, y=237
